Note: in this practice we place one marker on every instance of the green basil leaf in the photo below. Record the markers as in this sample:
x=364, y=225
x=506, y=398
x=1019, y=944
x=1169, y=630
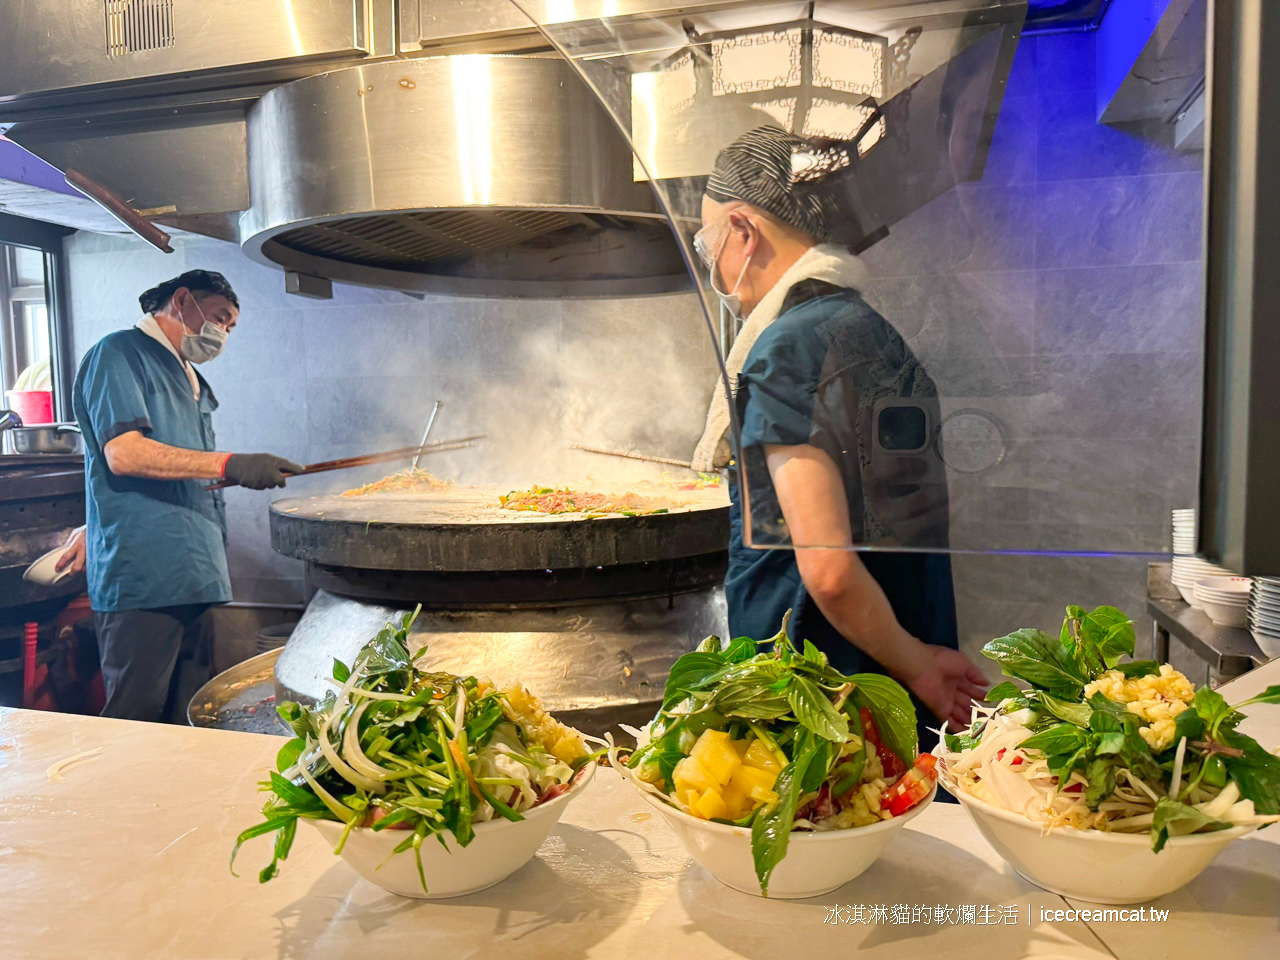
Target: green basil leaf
x=1096, y=641
x=1062, y=765
x=341, y=672
x=1068, y=710
x=771, y=829
x=1101, y=774
x=818, y=767
x=814, y=655
x=814, y=710
x=1065, y=738
x=1110, y=632
x=1214, y=710
x=750, y=700
x=289, y=753
x=1002, y=691
x=1269, y=695
x=690, y=671
x=739, y=649
x=1110, y=743
x=1188, y=724
x=1174, y=818
x=956, y=742
x=1257, y=773
x=894, y=713
x=1106, y=715
x=1137, y=756
x=1039, y=659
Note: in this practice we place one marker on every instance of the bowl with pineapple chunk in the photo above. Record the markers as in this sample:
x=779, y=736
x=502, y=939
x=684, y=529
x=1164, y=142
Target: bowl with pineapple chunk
x=781, y=776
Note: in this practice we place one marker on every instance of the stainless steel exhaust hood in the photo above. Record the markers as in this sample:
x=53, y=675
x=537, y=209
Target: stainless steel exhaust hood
x=332, y=138
x=321, y=143
x=492, y=174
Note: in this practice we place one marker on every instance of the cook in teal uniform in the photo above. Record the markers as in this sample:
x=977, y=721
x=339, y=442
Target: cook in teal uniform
x=816, y=373
x=155, y=538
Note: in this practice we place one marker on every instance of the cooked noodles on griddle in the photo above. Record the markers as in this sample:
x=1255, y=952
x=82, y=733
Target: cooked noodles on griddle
x=406, y=481
x=555, y=500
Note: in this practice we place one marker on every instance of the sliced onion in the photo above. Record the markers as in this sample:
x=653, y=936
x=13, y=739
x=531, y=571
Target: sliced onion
x=378, y=695
x=355, y=754
x=1222, y=802
x=342, y=812
x=341, y=767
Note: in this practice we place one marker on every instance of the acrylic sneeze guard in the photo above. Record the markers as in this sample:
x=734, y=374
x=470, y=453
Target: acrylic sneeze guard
x=1006, y=354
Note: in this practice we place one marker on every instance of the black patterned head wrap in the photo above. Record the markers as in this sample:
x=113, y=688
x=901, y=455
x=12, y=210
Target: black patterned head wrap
x=806, y=182
x=760, y=168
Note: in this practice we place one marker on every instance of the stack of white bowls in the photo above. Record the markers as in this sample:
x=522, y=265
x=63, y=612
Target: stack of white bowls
x=1188, y=570
x=1264, y=615
x=1224, y=599
x=1184, y=532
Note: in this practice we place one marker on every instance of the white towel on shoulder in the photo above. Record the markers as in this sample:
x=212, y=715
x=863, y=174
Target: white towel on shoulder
x=828, y=262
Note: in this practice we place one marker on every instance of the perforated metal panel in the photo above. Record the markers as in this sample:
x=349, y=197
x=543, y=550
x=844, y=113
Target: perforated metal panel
x=137, y=25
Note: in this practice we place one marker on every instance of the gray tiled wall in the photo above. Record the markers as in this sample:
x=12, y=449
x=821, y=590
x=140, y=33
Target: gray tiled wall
x=1067, y=281
x=1069, y=274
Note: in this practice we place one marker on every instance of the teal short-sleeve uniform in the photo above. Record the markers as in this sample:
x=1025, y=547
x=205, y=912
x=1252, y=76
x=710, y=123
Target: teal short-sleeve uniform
x=150, y=543
x=812, y=378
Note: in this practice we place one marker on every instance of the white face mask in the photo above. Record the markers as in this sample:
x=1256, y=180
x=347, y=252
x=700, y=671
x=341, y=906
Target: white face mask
x=205, y=345
x=730, y=299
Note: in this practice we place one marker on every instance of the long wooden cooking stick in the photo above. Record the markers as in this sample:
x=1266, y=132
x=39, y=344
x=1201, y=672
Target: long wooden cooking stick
x=347, y=463
x=119, y=208
x=634, y=456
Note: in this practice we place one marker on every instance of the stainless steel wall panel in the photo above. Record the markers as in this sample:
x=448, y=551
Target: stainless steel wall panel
x=63, y=45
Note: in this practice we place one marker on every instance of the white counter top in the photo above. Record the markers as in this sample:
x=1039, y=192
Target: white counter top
x=128, y=859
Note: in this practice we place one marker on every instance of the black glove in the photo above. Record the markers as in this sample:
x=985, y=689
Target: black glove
x=258, y=471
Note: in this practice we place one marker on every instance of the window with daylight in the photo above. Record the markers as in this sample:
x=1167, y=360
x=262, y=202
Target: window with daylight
x=33, y=361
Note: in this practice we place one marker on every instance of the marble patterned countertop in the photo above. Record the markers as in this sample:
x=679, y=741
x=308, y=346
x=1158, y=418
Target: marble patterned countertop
x=127, y=858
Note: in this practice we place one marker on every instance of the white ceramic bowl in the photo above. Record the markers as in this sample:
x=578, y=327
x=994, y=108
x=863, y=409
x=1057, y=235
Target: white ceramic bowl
x=43, y=571
x=815, y=864
x=1225, y=614
x=1235, y=587
x=1189, y=595
x=1268, y=643
x=499, y=849
x=1092, y=865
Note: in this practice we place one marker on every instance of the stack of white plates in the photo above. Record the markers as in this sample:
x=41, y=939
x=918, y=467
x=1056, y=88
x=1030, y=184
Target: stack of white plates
x=1184, y=532
x=1187, y=570
x=1264, y=615
x=1224, y=599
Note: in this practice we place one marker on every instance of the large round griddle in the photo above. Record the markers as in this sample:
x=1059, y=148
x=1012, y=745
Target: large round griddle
x=466, y=531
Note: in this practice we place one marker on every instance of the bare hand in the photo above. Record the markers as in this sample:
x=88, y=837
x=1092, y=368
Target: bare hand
x=949, y=684
x=73, y=555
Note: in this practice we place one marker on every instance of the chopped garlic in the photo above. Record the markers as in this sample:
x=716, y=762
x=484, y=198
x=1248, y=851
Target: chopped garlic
x=1157, y=699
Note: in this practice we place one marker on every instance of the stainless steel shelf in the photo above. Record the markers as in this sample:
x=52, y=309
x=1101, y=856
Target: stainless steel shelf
x=1229, y=651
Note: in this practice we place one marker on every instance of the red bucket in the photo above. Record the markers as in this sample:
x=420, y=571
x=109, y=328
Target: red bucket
x=33, y=406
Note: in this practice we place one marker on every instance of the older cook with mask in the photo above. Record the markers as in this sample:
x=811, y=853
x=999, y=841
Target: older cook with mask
x=810, y=364
x=155, y=538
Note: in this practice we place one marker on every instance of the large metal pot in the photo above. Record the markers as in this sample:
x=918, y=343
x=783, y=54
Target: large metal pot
x=61, y=438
